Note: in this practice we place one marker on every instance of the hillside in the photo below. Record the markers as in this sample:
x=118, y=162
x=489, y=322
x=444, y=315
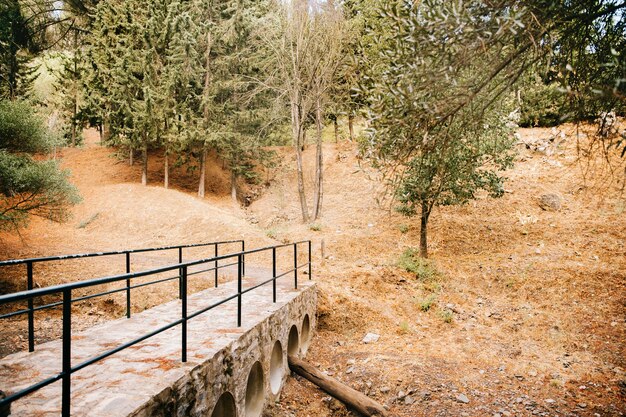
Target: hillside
x=521, y=311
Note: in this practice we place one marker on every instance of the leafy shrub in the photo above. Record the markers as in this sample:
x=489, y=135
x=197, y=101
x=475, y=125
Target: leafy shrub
x=427, y=302
x=542, y=105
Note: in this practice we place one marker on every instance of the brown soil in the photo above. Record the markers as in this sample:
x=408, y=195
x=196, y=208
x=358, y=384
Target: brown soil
x=523, y=312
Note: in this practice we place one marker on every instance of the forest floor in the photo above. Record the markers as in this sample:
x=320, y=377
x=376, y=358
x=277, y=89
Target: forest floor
x=519, y=311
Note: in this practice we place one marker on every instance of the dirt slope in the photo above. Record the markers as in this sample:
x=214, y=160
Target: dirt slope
x=520, y=312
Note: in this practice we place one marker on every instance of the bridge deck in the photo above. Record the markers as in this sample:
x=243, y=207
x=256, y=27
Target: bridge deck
x=123, y=382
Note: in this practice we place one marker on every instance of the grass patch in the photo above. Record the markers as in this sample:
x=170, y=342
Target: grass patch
x=316, y=227
x=271, y=233
x=403, y=228
x=446, y=315
x=410, y=261
x=427, y=302
x=404, y=327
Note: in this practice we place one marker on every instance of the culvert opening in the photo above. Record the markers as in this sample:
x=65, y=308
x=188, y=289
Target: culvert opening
x=255, y=391
x=277, y=368
x=305, y=336
x=225, y=406
x=293, y=343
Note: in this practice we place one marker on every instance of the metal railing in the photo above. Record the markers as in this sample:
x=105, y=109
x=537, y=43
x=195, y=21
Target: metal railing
x=67, y=369
x=30, y=284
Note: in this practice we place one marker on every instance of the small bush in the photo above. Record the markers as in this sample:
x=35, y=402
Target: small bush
x=316, y=227
x=410, y=261
x=403, y=228
x=271, y=233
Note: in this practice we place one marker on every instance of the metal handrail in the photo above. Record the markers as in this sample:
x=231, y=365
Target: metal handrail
x=30, y=263
x=66, y=290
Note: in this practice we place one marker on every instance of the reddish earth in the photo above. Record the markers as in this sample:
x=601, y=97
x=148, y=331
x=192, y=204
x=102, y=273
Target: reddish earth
x=520, y=311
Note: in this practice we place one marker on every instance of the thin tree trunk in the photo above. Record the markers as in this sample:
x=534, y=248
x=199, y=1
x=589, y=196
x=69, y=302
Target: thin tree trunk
x=351, y=126
x=424, y=230
x=131, y=152
x=75, y=92
x=166, y=170
x=233, y=186
x=201, y=186
x=144, y=166
x=297, y=137
x=318, y=191
x=336, y=125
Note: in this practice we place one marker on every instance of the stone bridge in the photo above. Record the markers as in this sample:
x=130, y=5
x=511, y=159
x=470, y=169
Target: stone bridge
x=230, y=370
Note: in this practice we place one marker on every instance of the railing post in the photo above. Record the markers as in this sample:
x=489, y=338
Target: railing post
x=31, y=311
x=66, y=353
x=295, y=266
x=128, y=285
x=216, y=266
x=184, y=312
x=239, y=275
x=243, y=258
x=274, y=273
x=180, y=273
x=310, y=260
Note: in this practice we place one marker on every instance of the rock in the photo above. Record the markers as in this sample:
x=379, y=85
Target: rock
x=371, y=338
x=582, y=405
x=425, y=395
x=550, y=401
x=350, y=370
x=408, y=400
x=532, y=372
x=351, y=362
x=550, y=202
x=462, y=398
x=384, y=390
x=401, y=395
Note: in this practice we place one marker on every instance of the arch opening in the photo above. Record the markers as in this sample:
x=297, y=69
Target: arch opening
x=293, y=342
x=255, y=391
x=305, y=336
x=225, y=406
x=277, y=368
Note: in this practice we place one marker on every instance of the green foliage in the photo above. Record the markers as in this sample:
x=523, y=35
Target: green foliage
x=17, y=44
x=21, y=129
x=541, y=104
x=316, y=227
x=29, y=187
x=410, y=261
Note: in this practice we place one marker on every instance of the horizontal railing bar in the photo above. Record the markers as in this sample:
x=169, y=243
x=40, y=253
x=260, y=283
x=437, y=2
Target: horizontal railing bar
x=14, y=397
x=125, y=345
x=219, y=303
x=247, y=290
x=24, y=295
x=109, y=253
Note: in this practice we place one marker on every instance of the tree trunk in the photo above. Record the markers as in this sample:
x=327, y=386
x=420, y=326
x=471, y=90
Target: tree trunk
x=201, y=186
x=144, y=166
x=233, y=186
x=336, y=125
x=130, y=156
x=319, y=160
x=423, y=230
x=351, y=126
x=166, y=171
x=75, y=88
x=297, y=138
x=351, y=397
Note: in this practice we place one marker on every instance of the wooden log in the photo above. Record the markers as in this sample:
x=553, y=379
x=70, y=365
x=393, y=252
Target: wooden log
x=352, y=398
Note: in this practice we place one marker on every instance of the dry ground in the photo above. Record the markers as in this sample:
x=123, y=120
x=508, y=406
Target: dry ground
x=520, y=311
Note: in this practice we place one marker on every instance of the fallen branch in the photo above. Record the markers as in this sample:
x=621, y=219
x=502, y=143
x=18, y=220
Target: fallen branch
x=352, y=398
